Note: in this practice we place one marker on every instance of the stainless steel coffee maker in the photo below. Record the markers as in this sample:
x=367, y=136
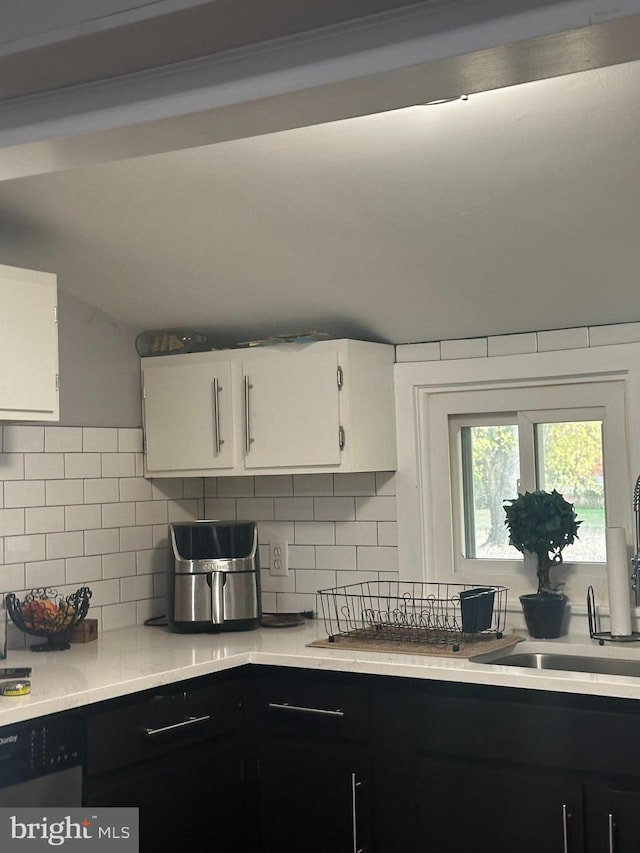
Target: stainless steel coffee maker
x=213, y=576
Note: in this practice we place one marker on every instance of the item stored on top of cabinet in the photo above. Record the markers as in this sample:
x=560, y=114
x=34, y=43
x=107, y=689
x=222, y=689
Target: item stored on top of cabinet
x=44, y=612
x=322, y=407
x=171, y=342
x=413, y=612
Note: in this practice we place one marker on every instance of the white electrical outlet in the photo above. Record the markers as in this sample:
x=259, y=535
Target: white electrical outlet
x=278, y=556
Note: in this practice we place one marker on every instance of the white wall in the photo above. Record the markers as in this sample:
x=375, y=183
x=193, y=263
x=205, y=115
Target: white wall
x=99, y=367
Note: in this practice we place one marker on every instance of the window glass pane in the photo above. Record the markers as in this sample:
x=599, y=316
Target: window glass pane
x=490, y=470
x=569, y=459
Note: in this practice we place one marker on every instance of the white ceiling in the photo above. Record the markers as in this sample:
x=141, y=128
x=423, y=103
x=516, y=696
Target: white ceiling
x=512, y=211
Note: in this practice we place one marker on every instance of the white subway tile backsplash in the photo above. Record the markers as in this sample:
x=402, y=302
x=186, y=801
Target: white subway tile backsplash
x=12, y=577
x=151, y=512
x=256, y=509
x=118, y=515
x=23, y=493
x=44, y=519
x=99, y=440
x=12, y=522
x=118, y=565
x=336, y=557
x=130, y=440
x=64, y=492
x=334, y=509
x=75, y=510
x=24, y=549
x=312, y=485
x=44, y=466
x=82, y=516
x=379, y=508
x=136, y=538
x=356, y=533
x=118, y=616
x=378, y=559
x=134, y=588
x=22, y=439
x=65, y=545
x=166, y=489
x=387, y=533
x=102, y=491
x=11, y=466
x=151, y=562
x=82, y=465
x=63, y=439
x=47, y=573
x=355, y=484
x=294, y=509
x=135, y=489
x=302, y=557
x=101, y=541
x=311, y=582
x=559, y=339
x=314, y=533
x=279, y=485
x=89, y=569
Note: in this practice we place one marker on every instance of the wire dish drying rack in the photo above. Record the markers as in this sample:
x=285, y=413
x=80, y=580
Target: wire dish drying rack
x=412, y=612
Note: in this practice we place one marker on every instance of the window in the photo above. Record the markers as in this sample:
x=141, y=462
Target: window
x=474, y=433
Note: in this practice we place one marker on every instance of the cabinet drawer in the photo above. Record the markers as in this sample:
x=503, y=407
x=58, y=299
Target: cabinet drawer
x=550, y=732
x=158, y=722
x=324, y=708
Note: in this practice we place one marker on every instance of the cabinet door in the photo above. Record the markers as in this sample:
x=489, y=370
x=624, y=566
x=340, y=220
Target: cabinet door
x=188, y=416
x=482, y=805
x=186, y=800
x=28, y=345
x=613, y=819
x=291, y=410
x=313, y=797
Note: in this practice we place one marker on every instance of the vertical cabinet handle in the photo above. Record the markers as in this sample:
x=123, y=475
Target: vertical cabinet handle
x=611, y=839
x=247, y=417
x=354, y=812
x=217, y=440
x=565, y=828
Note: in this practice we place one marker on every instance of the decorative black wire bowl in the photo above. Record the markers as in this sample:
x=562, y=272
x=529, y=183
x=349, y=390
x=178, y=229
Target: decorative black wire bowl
x=45, y=612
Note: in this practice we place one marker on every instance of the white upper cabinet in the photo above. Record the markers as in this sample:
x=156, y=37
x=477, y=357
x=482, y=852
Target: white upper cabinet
x=28, y=345
x=291, y=408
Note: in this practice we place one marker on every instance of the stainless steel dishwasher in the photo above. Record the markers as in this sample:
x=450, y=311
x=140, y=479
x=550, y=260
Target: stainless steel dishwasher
x=41, y=762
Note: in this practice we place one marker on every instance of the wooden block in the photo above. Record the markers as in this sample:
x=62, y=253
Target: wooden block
x=86, y=631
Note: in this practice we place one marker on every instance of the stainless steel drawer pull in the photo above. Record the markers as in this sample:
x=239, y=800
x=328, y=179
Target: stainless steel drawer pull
x=248, y=441
x=324, y=712
x=217, y=441
x=354, y=812
x=611, y=828
x=565, y=828
x=190, y=721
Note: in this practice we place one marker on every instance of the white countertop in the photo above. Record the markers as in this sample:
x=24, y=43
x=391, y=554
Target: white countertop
x=133, y=659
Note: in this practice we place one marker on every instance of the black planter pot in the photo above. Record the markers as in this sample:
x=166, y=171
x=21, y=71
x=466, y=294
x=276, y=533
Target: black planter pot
x=544, y=614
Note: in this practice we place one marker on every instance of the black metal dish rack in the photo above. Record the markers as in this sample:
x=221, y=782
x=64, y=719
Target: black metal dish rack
x=413, y=612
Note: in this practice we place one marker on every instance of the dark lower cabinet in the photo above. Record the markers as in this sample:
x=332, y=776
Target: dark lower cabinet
x=313, y=797
x=184, y=799
x=179, y=755
x=278, y=760
x=313, y=764
x=613, y=816
x=484, y=805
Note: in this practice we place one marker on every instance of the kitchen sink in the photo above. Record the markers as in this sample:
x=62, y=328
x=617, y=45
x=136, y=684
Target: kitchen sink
x=563, y=662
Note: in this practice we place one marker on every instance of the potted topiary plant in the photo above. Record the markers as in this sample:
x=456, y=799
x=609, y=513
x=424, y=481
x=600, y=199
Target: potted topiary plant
x=542, y=523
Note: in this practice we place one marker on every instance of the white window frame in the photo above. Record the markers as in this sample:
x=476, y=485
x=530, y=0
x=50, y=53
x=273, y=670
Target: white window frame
x=607, y=375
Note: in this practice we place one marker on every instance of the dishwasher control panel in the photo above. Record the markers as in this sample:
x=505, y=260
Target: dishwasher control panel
x=38, y=747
